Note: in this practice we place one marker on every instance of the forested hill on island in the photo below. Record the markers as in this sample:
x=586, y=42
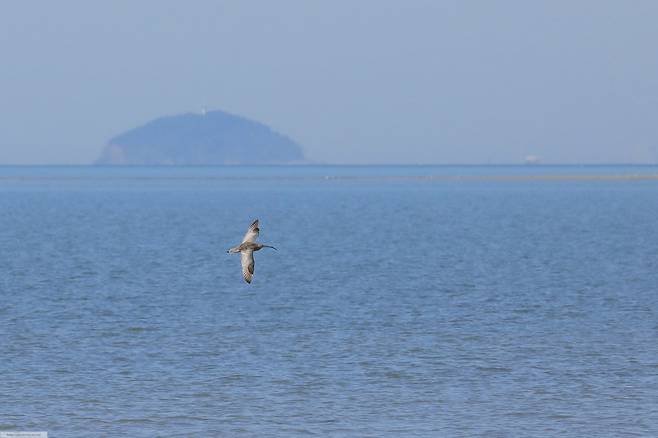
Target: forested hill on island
x=212, y=137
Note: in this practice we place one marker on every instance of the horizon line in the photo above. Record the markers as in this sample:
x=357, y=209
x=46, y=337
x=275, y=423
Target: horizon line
x=530, y=165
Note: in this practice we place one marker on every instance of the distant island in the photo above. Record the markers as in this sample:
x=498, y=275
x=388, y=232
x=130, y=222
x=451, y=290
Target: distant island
x=213, y=137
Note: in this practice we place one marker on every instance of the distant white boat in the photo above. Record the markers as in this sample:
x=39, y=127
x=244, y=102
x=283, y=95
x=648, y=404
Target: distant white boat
x=532, y=159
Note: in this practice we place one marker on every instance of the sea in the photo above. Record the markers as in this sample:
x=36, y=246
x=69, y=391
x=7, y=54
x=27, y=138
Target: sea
x=402, y=301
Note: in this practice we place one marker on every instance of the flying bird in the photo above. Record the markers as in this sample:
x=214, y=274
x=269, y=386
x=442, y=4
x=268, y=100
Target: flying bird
x=246, y=250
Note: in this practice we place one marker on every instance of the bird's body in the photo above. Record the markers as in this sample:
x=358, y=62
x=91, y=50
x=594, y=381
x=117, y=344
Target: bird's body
x=248, y=246
x=246, y=250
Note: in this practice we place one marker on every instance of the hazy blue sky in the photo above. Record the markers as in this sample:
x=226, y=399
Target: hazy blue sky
x=368, y=81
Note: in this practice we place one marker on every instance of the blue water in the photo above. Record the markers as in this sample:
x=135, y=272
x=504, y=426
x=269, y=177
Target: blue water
x=397, y=305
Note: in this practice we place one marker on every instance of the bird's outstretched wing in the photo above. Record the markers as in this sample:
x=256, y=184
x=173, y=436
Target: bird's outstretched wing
x=247, y=260
x=252, y=232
